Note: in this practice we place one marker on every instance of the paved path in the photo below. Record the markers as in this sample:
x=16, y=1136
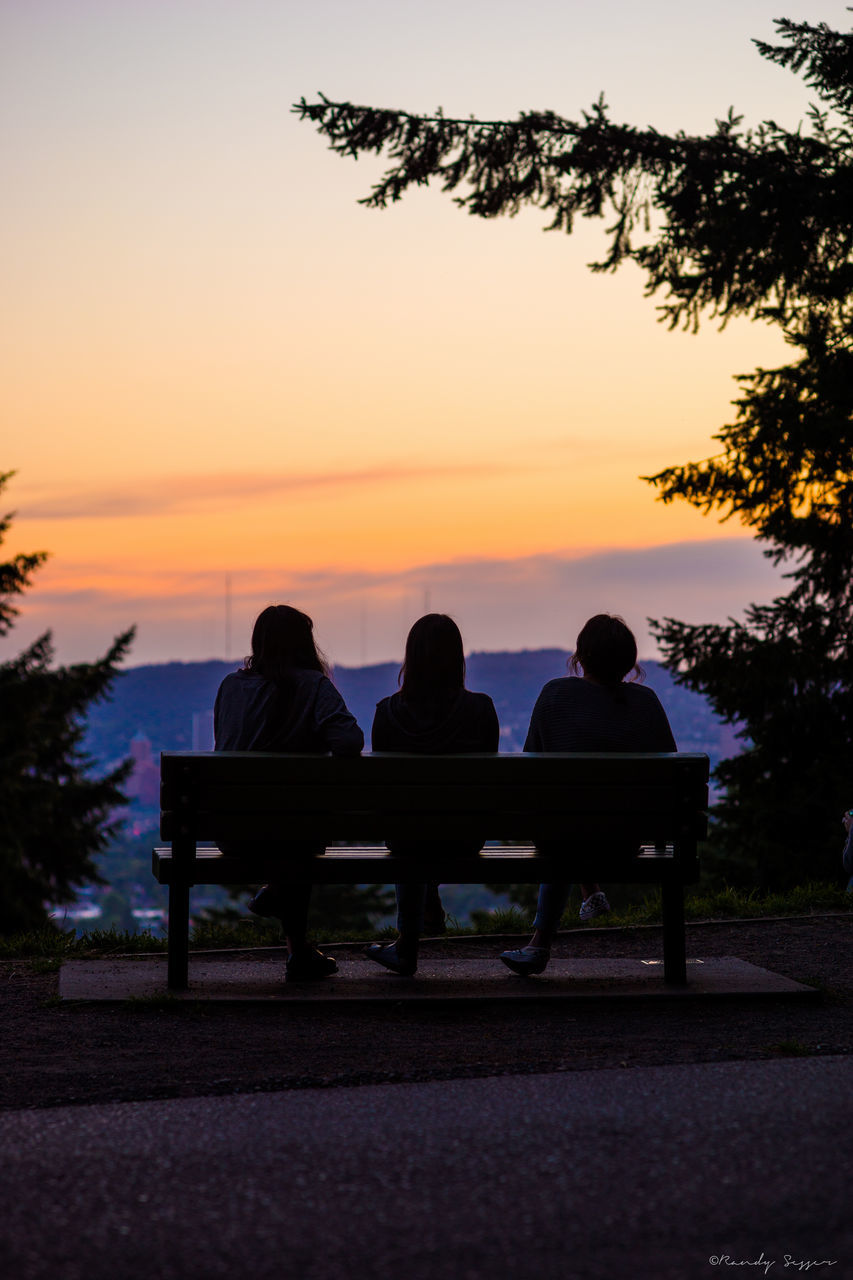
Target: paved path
x=646, y=1173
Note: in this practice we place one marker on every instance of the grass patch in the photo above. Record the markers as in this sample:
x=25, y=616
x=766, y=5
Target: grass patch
x=50, y=946
x=216, y=935
x=723, y=904
x=503, y=920
x=107, y=941
x=738, y=904
x=46, y=942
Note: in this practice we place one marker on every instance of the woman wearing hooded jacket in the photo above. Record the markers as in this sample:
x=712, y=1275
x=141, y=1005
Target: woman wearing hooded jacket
x=283, y=700
x=431, y=714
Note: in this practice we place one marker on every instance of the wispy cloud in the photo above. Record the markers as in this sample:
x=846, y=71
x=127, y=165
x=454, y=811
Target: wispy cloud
x=531, y=602
x=169, y=495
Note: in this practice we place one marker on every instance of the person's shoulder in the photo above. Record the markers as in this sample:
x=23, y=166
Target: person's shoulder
x=236, y=680
x=641, y=693
x=561, y=687
x=482, y=701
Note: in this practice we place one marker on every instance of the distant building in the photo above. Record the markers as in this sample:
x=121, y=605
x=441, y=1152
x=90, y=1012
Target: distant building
x=202, y=731
x=144, y=782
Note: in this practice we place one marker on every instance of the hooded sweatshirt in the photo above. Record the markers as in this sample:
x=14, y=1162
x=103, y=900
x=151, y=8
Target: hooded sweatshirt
x=467, y=724
x=253, y=714
x=309, y=715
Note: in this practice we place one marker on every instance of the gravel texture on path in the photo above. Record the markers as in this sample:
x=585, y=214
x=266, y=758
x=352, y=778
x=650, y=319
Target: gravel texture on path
x=55, y=1054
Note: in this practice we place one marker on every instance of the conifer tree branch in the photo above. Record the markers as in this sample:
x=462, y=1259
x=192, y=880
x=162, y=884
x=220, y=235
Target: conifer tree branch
x=741, y=222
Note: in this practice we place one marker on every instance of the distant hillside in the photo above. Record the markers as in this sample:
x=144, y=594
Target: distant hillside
x=159, y=701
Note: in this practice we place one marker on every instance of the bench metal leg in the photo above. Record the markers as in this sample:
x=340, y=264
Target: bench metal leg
x=179, y=928
x=674, y=952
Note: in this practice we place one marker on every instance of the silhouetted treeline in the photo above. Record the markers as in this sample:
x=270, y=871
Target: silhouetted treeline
x=159, y=701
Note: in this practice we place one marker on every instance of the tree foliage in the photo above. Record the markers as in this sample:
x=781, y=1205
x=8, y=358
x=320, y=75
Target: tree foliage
x=56, y=818
x=16, y=574
x=751, y=222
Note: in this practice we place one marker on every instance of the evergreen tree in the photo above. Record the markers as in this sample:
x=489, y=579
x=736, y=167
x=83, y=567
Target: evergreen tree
x=741, y=222
x=55, y=818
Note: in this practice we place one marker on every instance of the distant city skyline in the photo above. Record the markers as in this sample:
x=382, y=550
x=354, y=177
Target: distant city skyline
x=218, y=365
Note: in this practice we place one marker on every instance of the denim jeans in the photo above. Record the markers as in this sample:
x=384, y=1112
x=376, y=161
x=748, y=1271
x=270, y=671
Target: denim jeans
x=550, y=907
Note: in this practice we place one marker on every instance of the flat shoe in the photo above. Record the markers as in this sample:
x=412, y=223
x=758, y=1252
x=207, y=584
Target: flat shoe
x=388, y=956
x=526, y=960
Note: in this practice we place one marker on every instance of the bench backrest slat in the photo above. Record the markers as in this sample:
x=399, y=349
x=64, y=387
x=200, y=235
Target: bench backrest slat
x=267, y=768
x=610, y=797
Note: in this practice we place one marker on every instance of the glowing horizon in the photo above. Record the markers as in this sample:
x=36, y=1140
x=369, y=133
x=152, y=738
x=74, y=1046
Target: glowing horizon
x=219, y=364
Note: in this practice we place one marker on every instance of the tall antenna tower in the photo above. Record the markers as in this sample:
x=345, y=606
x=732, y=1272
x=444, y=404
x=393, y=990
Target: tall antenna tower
x=228, y=617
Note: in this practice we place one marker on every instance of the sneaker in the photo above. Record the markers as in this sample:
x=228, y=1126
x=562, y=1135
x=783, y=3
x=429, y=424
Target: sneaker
x=595, y=905
x=309, y=965
x=389, y=957
x=526, y=960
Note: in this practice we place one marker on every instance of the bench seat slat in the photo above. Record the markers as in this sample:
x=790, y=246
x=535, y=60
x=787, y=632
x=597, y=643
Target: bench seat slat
x=373, y=864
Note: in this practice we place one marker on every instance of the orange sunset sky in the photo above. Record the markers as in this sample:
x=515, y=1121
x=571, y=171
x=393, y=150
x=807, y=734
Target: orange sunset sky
x=219, y=368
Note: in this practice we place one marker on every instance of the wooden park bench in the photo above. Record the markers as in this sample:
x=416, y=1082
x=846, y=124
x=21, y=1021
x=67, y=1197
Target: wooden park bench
x=632, y=819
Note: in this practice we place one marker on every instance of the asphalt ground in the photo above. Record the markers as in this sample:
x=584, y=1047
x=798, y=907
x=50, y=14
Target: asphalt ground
x=674, y=1172
x=55, y=1052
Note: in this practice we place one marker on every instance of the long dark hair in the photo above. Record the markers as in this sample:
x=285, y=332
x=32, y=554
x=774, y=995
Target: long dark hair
x=283, y=642
x=606, y=650
x=433, y=669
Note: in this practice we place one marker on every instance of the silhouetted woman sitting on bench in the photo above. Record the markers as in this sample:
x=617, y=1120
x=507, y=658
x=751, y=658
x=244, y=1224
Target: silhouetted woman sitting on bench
x=283, y=700
x=432, y=714
x=597, y=712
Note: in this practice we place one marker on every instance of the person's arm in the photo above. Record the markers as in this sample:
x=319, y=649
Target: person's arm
x=217, y=716
x=336, y=725
x=380, y=736
x=667, y=737
x=533, y=741
x=662, y=734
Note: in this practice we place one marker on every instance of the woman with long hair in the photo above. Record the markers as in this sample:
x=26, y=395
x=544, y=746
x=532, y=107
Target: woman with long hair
x=431, y=714
x=595, y=711
x=282, y=699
